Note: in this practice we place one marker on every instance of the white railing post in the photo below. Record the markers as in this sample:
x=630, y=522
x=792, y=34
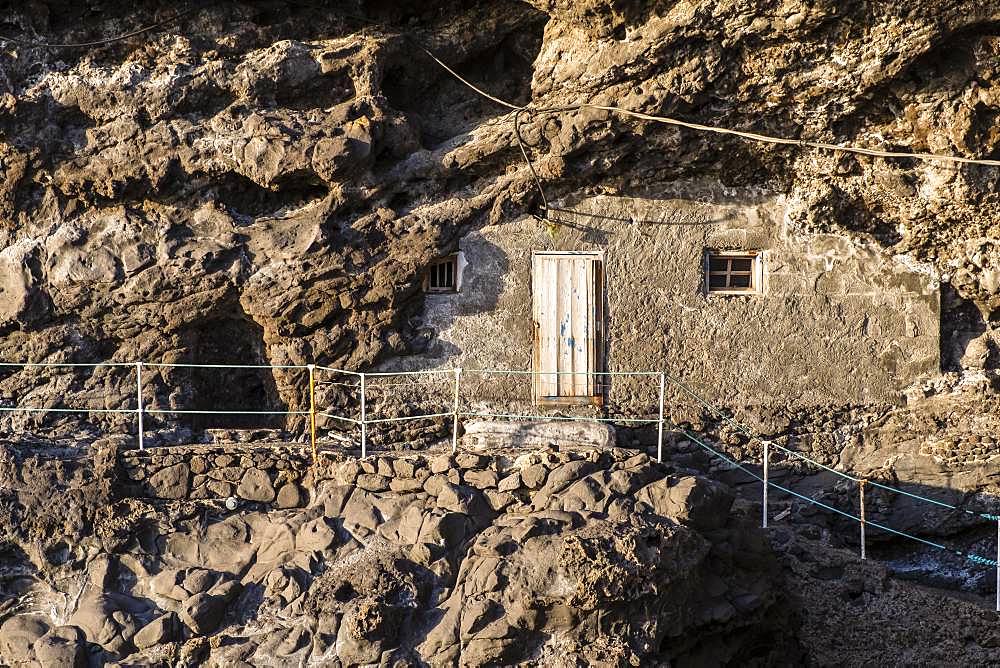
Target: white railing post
x=861, y=493
x=138, y=403
x=454, y=423
x=659, y=429
x=767, y=458
x=364, y=420
x=312, y=410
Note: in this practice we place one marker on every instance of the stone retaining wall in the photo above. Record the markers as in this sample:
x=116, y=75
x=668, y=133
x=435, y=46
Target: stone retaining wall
x=504, y=463
x=265, y=473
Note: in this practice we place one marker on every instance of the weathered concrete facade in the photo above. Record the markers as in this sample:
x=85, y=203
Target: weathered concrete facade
x=837, y=321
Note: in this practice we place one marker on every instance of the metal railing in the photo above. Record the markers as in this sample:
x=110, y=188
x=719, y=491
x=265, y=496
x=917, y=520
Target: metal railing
x=458, y=409
x=362, y=387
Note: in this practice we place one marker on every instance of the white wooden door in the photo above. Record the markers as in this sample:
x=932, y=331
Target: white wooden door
x=567, y=304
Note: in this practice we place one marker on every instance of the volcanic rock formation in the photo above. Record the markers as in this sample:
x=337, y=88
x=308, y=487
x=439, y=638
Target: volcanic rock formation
x=264, y=181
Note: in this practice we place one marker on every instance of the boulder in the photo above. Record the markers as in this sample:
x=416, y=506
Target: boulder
x=202, y=613
x=289, y=496
x=498, y=500
x=171, y=482
x=698, y=502
x=441, y=463
x=406, y=484
x=360, y=513
x=533, y=476
x=227, y=590
x=167, y=584
x=405, y=468
x=220, y=489
x=199, y=464
x=255, y=485
x=480, y=479
x=563, y=476
x=372, y=482
x=315, y=536
x=471, y=460
x=282, y=586
x=17, y=635
x=161, y=630
x=454, y=498
x=404, y=527
x=61, y=647
x=510, y=483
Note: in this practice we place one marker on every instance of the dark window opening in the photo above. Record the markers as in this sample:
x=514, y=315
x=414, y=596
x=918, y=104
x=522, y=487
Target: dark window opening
x=442, y=275
x=732, y=272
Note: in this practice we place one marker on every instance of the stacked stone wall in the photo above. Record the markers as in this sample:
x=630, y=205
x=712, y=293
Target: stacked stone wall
x=268, y=474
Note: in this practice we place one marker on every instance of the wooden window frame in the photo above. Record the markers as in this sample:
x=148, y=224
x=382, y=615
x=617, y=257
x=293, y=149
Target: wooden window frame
x=755, y=272
x=453, y=260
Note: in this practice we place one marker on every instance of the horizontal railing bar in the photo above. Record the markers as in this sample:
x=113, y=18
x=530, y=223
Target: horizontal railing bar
x=31, y=409
x=340, y=417
x=517, y=372
x=409, y=418
x=67, y=364
x=184, y=412
x=224, y=366
x=406, y=373
x=330, y=368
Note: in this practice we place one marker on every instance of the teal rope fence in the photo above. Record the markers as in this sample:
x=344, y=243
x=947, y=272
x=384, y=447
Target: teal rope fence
x=974, y=558
x=750, y=433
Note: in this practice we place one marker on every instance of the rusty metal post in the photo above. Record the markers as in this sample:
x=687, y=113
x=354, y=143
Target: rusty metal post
x=138, y=403
x=364, y=421
x=861, y=493
x=454, y=424
x=659, y=430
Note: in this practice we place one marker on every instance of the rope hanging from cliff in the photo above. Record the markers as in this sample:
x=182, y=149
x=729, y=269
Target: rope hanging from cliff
x=751, y=136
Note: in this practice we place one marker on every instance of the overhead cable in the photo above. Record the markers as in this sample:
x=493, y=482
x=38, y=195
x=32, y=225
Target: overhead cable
x=700, y=127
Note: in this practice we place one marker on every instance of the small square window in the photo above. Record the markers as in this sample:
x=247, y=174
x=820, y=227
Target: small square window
x=442, y=275
x=732, y=272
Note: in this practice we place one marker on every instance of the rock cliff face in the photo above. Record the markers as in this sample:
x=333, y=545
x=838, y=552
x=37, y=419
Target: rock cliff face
x=265, y=181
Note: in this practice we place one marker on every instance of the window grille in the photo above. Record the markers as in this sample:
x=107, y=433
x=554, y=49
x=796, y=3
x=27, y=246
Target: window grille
x=442, y=275
x=732, y=273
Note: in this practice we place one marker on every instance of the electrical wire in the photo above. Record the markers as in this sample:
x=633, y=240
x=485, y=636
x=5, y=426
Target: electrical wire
x=700, y=127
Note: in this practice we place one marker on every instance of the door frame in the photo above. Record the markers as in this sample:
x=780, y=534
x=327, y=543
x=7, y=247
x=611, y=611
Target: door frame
x=599, y=316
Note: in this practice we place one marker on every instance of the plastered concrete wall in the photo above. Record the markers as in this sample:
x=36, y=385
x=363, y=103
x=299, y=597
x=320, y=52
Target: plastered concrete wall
x=837, y=322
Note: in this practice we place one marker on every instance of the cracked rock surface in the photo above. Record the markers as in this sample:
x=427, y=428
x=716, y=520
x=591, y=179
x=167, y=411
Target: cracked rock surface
x=266, y=181
x=602, y=557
